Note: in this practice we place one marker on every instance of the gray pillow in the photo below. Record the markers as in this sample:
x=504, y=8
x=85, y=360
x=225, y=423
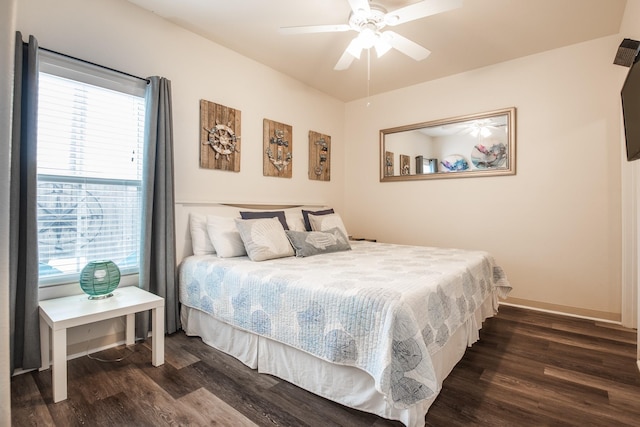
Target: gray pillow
x=263, y=214
x=307, y=243
x=264, y=238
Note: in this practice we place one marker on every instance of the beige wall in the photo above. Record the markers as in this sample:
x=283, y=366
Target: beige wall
x=555, y=225
x=7, y=40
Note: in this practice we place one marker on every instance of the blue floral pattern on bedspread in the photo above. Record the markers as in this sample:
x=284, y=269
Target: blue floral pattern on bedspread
x=380, y=307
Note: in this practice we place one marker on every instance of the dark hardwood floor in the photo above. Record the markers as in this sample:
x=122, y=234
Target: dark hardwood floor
x=528, y=369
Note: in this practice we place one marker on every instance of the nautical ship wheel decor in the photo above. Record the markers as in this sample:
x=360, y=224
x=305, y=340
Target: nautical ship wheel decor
x=223, y=140
x=319, y=156
x=219, y=137
x=69, y=216
x=277, y=149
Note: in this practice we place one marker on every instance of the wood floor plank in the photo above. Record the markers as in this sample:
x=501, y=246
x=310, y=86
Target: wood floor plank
x=116, y=410
x=28, y=407
x=176, y=353
x=247, y=396
x=153, y=401
x=478, y=404
x=176, y=382
x=608, y=333
x=614, y=389
x=96, y=377
x=590, y=404
x=210, y=407
x=528, y=369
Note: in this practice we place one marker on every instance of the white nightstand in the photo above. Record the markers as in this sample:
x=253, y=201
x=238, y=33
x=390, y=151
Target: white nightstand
x=58, y=314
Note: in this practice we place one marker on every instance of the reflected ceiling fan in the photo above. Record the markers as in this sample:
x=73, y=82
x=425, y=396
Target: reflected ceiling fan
x=477, y=127
x=368, y=20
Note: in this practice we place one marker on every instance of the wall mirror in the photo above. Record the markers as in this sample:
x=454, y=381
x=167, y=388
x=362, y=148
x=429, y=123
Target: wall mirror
x=467, y=146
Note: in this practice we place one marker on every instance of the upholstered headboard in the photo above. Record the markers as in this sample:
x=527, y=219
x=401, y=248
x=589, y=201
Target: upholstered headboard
x=184, y=209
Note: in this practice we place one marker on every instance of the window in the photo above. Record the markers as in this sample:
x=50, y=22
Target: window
x=90, y=149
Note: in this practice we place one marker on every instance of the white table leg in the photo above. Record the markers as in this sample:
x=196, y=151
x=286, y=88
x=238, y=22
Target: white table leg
x=157, y=344
x=44, y=344
x=131, y=328
x=59, y=368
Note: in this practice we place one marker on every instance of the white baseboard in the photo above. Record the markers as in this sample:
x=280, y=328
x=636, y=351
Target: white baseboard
x=561, y=313
x=95, y=350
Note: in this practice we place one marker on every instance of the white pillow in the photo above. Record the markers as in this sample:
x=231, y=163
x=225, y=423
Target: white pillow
x=295, y=221
x=224, y=236
x=327, y=222
x=264, y=238
x=200, y=242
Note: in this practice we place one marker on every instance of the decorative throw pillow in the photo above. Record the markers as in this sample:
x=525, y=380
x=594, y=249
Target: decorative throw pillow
x=295, y=221
x=264, y=238
x=262, y=214
x=200, y=242
x=327, y=222
x=306, y=213
x=224, y=236
x=308, y=243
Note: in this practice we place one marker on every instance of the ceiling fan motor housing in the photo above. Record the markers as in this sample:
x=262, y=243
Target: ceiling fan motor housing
x=373, y=19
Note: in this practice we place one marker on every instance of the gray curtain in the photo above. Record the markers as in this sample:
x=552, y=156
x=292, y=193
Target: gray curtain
x=23, y=234
x=158, y=273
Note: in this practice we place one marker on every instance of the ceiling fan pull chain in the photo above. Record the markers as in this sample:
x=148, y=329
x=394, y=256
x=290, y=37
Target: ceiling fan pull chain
x=368, y=75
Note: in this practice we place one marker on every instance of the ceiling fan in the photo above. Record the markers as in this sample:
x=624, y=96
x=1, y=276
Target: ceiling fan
x=369, y=19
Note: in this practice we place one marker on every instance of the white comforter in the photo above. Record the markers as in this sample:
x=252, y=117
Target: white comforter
x=380, y=307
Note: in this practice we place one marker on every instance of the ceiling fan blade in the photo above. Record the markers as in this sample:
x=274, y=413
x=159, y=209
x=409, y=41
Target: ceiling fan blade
x=420, y=10
x=359, y=5
x=406, y=46
x=315, y=29
x=350, y=53
x=344, y=62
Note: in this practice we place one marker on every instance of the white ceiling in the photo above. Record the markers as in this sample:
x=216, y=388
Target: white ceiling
x=480, y=33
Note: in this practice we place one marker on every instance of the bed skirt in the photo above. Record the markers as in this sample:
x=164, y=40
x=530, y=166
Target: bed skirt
x=347, y=385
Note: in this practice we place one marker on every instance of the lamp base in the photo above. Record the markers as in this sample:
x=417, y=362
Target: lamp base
x=96, y=297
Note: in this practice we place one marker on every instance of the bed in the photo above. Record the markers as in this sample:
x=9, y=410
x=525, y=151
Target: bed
x=373, y=326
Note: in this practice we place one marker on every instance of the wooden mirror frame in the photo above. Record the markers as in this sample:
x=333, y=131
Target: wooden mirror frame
x=505, y=163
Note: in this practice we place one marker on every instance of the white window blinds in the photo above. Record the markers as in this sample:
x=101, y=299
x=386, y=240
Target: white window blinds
x=90, y=149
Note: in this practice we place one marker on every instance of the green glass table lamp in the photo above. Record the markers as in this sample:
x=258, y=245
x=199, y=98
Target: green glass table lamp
x=98, y=279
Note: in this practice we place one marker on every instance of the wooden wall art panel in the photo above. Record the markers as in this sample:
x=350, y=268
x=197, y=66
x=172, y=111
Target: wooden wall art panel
x=405, y=164
x=319, y=156
x=388, y=163
x=278, y=149
x=220, y=129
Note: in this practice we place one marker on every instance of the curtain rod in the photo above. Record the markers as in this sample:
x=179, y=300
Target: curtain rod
x=94, y=64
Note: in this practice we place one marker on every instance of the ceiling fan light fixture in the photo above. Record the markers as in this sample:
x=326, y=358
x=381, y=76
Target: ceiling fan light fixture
x=480, y=128
x=482, y=132
x=367, y=38
x=382, y=47
x=354, y=48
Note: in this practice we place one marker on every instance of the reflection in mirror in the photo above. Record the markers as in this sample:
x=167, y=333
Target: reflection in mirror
x=474, y=145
